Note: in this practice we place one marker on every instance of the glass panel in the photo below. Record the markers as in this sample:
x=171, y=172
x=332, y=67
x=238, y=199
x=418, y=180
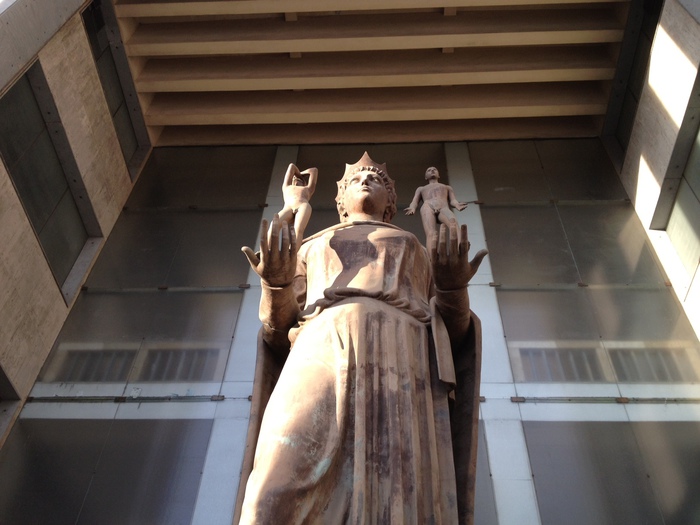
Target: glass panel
x=560, y=365
x=225, y=177
x=107, y=334
x=83, y=365
x=125, y=131
x=589, y=472
x=552, y=336
x=21, y=121
x=46, y=467
x=176, y=249
x=110, y=81
x=86, y=471
x=527, y=246
x=63, y=237
x=149, y=472
x=507, y=172
x=209, y=252
x=671, y=456
x=113, y=317
x=579, y=170
x=609, y=244
x=631, y=315
x=655, y=365
x=547, y=315
x=138, y=252
x=40, y=181
x=95, y=27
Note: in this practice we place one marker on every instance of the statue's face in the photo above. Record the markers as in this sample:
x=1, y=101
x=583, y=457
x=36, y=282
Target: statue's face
x=432, y=173
x=365, y=192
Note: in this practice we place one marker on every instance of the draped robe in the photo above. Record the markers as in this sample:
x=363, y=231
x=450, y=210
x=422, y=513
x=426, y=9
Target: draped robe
x=357, y=429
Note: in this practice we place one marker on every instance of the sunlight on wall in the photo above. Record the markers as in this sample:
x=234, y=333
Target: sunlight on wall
x=671, y=75
x=648, y=189
x=4, y=4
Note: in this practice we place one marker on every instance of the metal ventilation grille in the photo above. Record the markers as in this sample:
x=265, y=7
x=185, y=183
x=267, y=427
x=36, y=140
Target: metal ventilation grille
x=92, y=366
x=177, y=364
x=654, y=365
x=543, y=365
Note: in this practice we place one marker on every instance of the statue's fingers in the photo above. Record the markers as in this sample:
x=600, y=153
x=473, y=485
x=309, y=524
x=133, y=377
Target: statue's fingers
x=250, y=255
x=263, y=237
x=454, y=243
x=284, y=234
x=476, y=261
x=292, y=240
x=442, y=243
x=432, y=245
x=463, y=240
x=274, y=238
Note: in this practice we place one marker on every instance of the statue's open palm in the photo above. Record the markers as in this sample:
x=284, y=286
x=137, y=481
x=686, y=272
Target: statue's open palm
x=449, y=254
x=277, y=259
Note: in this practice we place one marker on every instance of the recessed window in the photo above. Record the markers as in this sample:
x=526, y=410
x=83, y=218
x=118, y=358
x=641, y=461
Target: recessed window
x=35, y=150
x=107, y=61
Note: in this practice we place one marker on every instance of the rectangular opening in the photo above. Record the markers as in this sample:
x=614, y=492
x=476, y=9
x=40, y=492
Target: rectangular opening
x=38, y=157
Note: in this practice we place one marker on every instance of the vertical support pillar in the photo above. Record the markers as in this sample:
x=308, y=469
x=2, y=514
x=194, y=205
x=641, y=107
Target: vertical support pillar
x=509, y=464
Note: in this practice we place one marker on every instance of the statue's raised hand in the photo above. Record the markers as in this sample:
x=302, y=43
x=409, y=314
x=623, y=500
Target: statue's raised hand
x=449, y=254
x=276, y=262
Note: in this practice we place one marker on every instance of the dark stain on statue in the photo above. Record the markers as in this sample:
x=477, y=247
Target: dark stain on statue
x=352, y=249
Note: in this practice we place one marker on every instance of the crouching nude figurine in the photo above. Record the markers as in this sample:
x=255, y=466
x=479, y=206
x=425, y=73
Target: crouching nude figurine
x=371, y=327
x=437, y=199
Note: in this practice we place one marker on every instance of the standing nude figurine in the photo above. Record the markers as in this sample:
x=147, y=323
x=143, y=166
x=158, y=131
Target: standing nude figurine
x=297, y=188
x=437, y=199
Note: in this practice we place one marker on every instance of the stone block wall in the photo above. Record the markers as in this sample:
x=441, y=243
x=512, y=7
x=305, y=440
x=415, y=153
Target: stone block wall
x=32, y=307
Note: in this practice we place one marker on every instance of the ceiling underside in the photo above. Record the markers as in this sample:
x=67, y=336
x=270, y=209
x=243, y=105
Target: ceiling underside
x=303, y=71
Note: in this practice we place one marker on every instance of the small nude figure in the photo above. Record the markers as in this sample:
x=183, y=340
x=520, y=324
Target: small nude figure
x=437, y=200
x=297, y=188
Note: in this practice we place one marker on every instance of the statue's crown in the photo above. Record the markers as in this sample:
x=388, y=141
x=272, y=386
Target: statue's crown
x=365, y=163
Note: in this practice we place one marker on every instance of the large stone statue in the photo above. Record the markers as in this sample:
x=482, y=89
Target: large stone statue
x=357, y=429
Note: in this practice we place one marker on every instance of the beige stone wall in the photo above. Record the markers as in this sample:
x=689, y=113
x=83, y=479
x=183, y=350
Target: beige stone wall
x=31, y=305
x=69, y=69
x=673, y=68
x=32, y=308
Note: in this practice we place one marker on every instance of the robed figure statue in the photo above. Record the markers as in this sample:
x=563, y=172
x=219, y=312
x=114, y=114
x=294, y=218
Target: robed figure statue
x=372, y=419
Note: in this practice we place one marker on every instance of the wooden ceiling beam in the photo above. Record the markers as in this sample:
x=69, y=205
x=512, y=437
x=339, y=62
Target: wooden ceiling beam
x=375, y=70
x=382, y=32
x=372, y=105
x=189, y=8
x=383, y=132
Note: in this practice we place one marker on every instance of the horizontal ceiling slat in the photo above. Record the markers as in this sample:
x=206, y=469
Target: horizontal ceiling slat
x=304, y=71
x=169, y=8
x=381, y=32
x=380, y=69
x=372, y=105
x=383, y=132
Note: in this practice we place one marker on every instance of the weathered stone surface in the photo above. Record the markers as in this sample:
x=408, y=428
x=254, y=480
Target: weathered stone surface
x=357, y=428
x=31, y=306
x=75, y=85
